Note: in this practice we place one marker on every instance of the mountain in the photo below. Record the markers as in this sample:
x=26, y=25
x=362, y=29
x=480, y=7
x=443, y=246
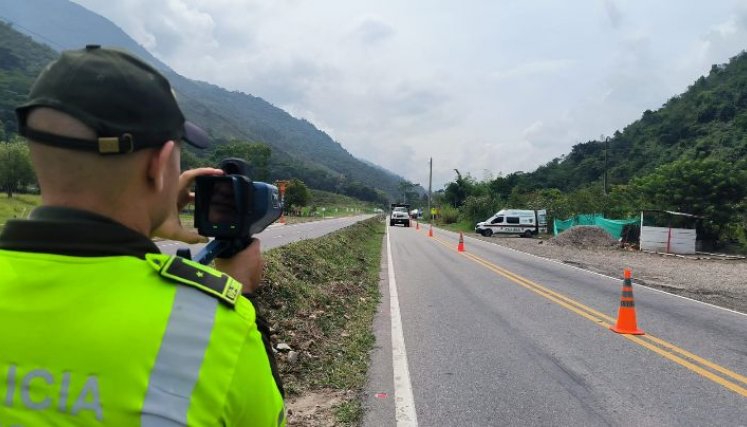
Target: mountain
x=299, y=148
x=21, y=60
x=707, y=122
x=689, y=156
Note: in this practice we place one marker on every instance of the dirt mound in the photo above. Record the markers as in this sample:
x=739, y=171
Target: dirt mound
x=586, y=236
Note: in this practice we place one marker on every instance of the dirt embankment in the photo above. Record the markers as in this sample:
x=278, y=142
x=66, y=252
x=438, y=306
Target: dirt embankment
x=718, y=281
x=320, y=297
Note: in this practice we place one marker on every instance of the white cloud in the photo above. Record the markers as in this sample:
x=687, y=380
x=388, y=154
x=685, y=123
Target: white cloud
x=534, y=69
x=372, y=31
x=497, y=85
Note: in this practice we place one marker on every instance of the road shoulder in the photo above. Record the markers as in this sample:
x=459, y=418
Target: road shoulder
x=716, y=282
x=379, y=390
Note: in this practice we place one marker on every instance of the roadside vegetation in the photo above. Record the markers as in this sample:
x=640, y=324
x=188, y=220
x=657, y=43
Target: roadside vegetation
x=303, y=202
x=17, y=180
x=339, y=201
x=463, y=225
x=320, y=297
x=323, y=204
x=689, y=156
x=18, y=206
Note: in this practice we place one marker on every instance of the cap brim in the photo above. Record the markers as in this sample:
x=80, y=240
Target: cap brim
x=195, y=136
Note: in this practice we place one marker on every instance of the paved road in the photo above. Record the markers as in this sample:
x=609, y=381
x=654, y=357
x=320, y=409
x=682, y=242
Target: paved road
x=494, y=337
x=279, y=235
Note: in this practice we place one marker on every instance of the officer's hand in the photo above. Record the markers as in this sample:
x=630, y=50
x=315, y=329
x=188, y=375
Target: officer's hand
x=246, y=267
x=172, y=228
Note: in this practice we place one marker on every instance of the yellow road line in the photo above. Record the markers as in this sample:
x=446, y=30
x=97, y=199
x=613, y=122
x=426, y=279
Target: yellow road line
x=603, y=320
x=697, y=358
x=669, y=346
x=691, y=366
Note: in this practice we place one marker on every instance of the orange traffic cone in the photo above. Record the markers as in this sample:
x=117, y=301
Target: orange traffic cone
x=626, y=322
x=460, y=246
x=430, y=231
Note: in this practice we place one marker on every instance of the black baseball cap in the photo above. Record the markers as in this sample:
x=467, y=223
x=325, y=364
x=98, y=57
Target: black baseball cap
x=128, y=103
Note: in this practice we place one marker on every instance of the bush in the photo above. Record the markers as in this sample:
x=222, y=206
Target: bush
x=478, y=209
x=449, y=214
x=297, y=194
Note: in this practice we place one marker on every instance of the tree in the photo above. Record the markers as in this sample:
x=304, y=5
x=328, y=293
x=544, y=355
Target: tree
x=456, y=192
x=359, y=191
x=297, y=194
x=189, y=160
x=15, y=166
x=408, y=192
x=551, y=199
x=587, y=200
x=478, y=208
x=256, y=154
x=710, y=188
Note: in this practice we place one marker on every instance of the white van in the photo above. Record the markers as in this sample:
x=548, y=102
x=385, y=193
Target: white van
x=526, y=223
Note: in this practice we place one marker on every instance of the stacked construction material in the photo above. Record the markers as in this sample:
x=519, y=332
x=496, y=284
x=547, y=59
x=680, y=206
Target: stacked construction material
x=586, y=236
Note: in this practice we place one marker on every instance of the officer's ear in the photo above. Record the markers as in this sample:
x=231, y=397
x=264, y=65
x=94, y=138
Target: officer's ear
x=158, y=167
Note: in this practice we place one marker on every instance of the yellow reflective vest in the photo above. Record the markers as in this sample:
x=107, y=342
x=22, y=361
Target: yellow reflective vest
x=123, y=341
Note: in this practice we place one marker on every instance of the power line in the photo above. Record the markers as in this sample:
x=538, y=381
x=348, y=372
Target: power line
x=27, y=30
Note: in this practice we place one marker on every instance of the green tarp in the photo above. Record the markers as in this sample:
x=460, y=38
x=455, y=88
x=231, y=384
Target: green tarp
x=612, y=226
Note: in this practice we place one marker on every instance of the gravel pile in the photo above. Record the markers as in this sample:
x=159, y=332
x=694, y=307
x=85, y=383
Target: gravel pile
x=720, y=282
x=585, y=236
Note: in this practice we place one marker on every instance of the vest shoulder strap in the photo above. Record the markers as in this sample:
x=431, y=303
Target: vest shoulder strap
x=190, y=273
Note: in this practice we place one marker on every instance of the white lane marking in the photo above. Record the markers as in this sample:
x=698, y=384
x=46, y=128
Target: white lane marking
x=644, y=286
x=404, y=402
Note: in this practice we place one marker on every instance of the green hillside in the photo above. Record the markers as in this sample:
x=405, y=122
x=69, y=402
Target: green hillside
x=688, y=156
x=334, y=200
x=708, y=121
x=299, y=148
x=21, y=59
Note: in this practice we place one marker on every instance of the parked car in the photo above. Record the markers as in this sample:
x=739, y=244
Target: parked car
x=526, y=223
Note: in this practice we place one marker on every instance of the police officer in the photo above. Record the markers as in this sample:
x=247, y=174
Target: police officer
x=97, y=327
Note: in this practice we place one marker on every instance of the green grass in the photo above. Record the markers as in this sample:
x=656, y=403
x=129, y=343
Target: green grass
x=187, y=218
x=350, y=412
x=464, y=226
x=333, y=205
x=324, y=294
x=17, y=206
x=338, y=204
x=332, y=200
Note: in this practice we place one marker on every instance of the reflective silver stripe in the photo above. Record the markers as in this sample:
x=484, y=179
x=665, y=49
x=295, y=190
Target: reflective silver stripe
x=177, y=366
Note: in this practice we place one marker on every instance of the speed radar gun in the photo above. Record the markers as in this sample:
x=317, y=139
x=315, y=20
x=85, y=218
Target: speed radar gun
x=231, y=208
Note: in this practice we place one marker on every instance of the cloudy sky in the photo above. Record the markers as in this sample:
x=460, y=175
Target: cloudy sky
x=485, y=86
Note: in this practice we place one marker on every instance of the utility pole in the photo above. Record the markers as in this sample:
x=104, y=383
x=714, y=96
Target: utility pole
x=606, y=148
x=430, y=182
